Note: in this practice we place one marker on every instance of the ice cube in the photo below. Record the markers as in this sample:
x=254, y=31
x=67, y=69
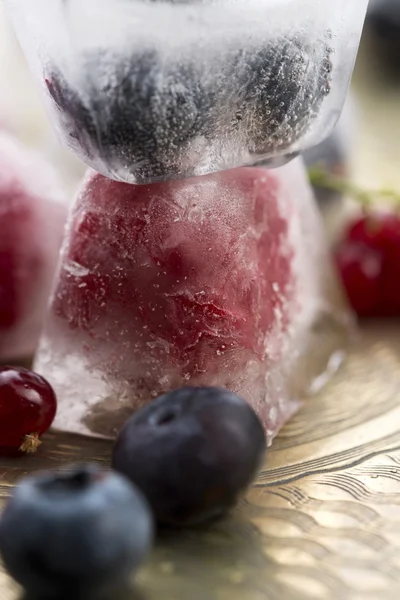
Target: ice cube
x=32, y=216
x=142, y=117
x=147, y=90
x=216, y=280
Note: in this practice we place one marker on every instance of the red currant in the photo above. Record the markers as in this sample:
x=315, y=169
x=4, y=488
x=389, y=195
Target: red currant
x=27, y=409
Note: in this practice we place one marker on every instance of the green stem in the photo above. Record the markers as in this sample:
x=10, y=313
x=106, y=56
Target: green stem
x=321, y=178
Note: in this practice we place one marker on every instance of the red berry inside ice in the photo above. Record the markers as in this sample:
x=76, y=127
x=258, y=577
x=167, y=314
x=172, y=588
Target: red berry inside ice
x=32, y=215
x=211, y=281
x=368, y=258
x=168, y=274
x=178, y=282
x=27, y=409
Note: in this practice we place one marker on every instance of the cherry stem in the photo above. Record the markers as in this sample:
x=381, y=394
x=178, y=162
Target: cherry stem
x=321, y=178
x=30, y=444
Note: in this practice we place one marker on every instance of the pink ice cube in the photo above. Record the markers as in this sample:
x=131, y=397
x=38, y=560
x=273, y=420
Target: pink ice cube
x=214, y=280
x=32, y=216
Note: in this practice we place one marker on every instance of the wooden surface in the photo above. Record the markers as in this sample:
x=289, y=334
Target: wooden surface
x=323, y=520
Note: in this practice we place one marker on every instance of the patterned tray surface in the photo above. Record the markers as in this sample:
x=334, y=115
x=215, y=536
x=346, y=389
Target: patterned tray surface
x=322, y=521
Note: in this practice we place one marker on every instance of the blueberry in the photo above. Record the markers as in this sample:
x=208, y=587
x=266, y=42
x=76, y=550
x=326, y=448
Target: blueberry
x=192, y=452
x=74, y=532
x=157, y=111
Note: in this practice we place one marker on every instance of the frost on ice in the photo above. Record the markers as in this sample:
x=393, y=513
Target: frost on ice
x=216, y=280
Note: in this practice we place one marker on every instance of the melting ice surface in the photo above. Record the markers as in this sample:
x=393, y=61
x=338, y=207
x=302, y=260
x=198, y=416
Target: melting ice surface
x=148, y=91
x=217, y=280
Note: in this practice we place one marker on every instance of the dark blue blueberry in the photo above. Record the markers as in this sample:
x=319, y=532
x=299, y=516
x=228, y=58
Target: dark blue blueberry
x=74, y=532
x=192, y=452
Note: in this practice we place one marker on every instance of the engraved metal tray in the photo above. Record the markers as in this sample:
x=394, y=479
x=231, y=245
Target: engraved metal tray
x=321, y=522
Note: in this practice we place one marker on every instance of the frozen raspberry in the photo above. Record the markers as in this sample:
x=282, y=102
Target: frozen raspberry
x=164, y=276
x=210, y=281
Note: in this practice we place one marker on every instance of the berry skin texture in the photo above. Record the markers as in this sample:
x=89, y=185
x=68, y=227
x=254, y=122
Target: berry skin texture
x=74, y=533
x=27, y=409
x=368, y=259
x=150, y=114
x=155, y=282
x=282, y=87
x=192, y=452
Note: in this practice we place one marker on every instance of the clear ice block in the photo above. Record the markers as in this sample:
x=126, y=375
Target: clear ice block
x=33, y=211
x=217, y=280
x=149, y=90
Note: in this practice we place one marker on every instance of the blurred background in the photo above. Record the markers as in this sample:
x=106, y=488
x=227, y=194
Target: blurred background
x=21, y=110
x=367, y=140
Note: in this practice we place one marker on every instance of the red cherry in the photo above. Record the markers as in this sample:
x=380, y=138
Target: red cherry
x=27, y=409
x=368, y=259
x=360, y=268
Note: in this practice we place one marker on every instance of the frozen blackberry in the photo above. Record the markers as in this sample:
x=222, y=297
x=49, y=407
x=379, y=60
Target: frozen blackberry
x=140, y=115
x=157, y=110
x=282, y=87
x=144, y=116
x=75, y=116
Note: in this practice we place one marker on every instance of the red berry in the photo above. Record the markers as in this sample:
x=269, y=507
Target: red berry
x=27, y=409
x=368, y=259
x=360, y=269
x=158, y=279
